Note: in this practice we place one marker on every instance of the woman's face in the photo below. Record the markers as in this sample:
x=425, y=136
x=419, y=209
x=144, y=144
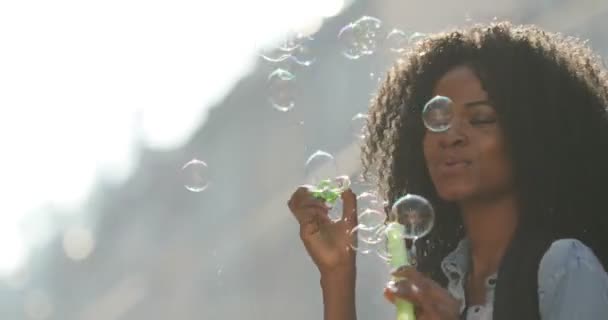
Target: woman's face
x=468, y=161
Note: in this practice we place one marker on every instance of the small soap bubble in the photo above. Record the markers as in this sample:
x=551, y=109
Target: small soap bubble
x=437, y=114
x=415, y=213
x=416, y=37
x=371, y=219
x=281, y=87
x=371, y=211
x=195, y=175
x=361, y=37
x=358, y=125
x=293, y=40
x=285, y=47
x=381, y=246
x=397, y=41
x=303, y=55
x=274, y=54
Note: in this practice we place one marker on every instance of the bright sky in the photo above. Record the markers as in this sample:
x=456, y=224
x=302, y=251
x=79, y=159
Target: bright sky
x=79, y=79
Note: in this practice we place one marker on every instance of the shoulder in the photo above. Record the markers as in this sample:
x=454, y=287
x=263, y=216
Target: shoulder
x=571, y=280
x=567, y=254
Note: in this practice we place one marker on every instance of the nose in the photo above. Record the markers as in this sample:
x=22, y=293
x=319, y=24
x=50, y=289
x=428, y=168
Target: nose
x=455, y=135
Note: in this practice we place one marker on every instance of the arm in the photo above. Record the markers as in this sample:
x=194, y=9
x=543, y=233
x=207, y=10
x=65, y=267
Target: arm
x=572, y=283
x=339, y=295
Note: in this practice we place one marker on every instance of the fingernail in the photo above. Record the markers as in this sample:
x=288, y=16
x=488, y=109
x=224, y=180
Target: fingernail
x=392, y=286
x=389, y=296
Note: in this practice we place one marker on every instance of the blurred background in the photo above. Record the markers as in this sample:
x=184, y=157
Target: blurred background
x=104, y=105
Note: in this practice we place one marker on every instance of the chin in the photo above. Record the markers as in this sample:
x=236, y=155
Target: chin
x=454, y=194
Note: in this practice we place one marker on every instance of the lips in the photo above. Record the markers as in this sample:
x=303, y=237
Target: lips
x=453, y=165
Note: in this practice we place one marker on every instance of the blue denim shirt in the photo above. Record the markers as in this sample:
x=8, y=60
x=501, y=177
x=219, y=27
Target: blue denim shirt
x=572, y=284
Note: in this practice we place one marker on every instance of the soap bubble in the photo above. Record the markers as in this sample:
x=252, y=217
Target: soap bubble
x=367, y=239
x=397, y=41
x=281, y=87
x=330, y=190
x=195, y=175
x=320, y=166
x=274, y=54
x=437, y=114
x=285, y=47
x=293, y=40
x=371, y=210
x=358, y=124
x=415, y=213
x=381, y=246
x=303, y=55
x=322, y=174
x=371, y=219
x=416, y=37
x=360, y=38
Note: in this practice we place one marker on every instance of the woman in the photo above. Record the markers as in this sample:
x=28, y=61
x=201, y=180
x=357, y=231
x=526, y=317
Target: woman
x=517, y=180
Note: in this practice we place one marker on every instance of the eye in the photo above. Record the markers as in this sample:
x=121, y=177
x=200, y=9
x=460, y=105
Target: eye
x=482, y=121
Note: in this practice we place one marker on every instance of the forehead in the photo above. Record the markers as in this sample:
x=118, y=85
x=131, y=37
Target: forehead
x=461, y=85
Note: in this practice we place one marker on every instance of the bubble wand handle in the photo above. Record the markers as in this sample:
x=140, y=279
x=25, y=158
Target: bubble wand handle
x=398, y=257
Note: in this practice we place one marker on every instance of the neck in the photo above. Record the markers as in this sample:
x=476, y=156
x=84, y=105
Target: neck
x=489, y=226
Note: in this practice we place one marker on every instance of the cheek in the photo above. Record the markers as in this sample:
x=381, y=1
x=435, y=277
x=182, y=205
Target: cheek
x=427, y=148
x=496, y=166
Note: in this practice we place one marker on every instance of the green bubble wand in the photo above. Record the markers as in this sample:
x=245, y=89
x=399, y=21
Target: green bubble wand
x=398, y=257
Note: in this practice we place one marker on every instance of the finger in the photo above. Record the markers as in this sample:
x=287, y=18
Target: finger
x=433, y=290
x=349, y=208
x=410, y=273
x=303, y=200
x=302, y=193
x=298, y=195
x=408, y=291
x=389, y=295
x=311, y=219
x=310, y=232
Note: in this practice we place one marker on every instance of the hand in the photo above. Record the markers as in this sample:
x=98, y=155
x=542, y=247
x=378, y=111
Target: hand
x=430, y=300
x=328, y=243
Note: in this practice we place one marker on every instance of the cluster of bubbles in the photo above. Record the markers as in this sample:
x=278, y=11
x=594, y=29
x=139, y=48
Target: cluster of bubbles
x=370, y=235
x=293, y=49
x=360, y=38
x=363, y=37
x=366, y=35
x=414, y=212
x=321, y=166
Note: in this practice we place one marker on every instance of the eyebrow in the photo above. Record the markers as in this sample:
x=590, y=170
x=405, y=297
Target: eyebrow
x=477, y=103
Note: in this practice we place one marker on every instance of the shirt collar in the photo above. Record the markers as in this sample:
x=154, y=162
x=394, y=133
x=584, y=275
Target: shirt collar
x=456, y=263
